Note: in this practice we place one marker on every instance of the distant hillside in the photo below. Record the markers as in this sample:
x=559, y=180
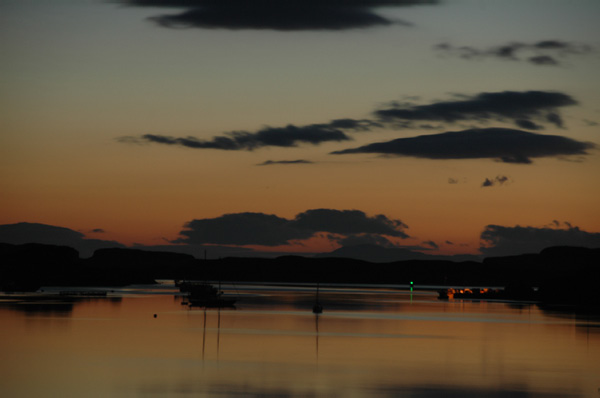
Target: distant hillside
x=564, y=275
x=379, y=254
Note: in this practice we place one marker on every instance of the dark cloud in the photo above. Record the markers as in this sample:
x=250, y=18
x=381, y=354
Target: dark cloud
x=348, y=222
x=272, y=162
x=499, y=240
x=353, y=124
x=98, y=231
x=487, y=183
x=543, y=53
x=528, y=124
x=365, y=239
x=261, y=3
x=270, y=230
x=528, y=110
x=242, y=229
x=519, y=107
x=563, y=46
x=554, y=118
x=506, y=145
x=289, y=15
x=431, y=244
x=22, y=233
x=498, y=180
x=288, y=136
x=281, y=18
x=543, y=60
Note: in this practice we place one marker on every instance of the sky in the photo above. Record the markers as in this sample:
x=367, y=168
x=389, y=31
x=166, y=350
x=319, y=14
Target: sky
x=447, y=127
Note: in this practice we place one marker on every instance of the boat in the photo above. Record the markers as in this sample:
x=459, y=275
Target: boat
x=203, y=294
x=473, y=293
x=444, y=294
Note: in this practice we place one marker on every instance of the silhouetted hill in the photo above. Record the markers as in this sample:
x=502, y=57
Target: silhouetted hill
x=27, y=267
x=535, y=269
x=127, y=266
x=564, y=275
x=380, y=254
x=573, y=276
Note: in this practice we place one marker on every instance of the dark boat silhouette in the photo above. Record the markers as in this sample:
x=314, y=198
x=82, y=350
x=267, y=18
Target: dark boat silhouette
x=203, y=294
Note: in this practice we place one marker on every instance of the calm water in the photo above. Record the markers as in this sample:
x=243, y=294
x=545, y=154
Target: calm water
x=367, y=343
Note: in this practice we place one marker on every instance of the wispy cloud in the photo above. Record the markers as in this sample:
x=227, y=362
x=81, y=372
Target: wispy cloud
x=529, y=110
x=363, y=239
x=541, y=53
x=506, y=145
x=285, y=162
x=430, y=244
x=288, y=136
x=526, y=109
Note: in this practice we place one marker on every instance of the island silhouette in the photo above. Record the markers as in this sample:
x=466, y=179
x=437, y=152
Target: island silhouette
x=558, y=275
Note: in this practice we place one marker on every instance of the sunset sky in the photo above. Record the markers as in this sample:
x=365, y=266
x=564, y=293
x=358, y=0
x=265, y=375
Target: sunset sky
x=439, y=126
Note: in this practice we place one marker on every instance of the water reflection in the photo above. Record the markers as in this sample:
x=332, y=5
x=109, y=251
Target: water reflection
x=48, y=304
x=235, y=390
x=464, y=392
x=369, y=343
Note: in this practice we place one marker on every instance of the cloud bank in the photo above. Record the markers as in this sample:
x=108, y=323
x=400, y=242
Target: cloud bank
x=270, y=230
x=526, y=109
x=288, y=136
x=288, y=15
x=498, y=240
x=364, y=239
x=541, y=53
x=285, y=162
x=506, y=145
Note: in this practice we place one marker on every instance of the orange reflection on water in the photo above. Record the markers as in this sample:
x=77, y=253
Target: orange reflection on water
x=364, y=344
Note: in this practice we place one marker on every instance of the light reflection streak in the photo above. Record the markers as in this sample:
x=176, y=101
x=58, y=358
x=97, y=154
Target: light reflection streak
x=431, y=317
x=271, y=332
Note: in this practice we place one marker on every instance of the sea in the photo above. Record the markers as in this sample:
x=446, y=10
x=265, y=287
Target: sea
x=369, y=341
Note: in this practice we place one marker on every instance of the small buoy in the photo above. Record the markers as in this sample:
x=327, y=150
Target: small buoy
x=155, y=315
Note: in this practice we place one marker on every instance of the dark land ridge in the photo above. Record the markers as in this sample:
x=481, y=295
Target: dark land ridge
x=556, y=275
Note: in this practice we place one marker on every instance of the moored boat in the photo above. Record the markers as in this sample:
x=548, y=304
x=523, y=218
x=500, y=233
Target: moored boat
x=203, y=294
